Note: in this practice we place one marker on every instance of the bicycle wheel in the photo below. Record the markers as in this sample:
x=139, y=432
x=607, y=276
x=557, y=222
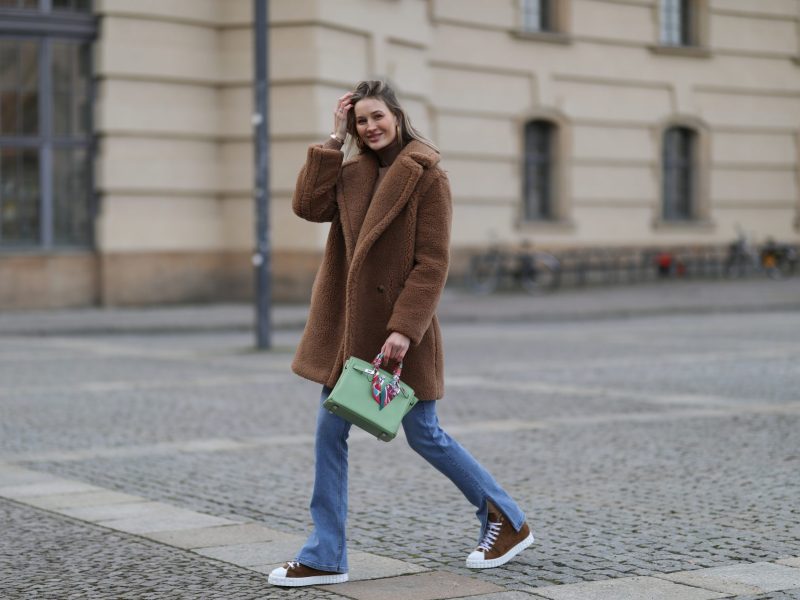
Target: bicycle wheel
x=542, y=273
x=484, y=273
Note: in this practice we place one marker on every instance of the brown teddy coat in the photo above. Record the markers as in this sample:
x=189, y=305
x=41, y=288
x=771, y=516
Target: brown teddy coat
x=385, y=262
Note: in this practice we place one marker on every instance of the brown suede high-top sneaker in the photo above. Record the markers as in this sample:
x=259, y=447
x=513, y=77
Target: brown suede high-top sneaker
x=500, y=542
x=294, y=574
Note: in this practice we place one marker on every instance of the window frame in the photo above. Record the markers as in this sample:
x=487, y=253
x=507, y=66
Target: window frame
x=545, y=211
x=556, y=28
x=694, y=40
x=679, y=172
x=46, y=26
x=701, y=204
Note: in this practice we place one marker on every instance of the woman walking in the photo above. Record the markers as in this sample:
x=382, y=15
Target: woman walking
x=383, y=271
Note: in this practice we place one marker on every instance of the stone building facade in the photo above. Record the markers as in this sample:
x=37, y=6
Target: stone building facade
x=571, y=123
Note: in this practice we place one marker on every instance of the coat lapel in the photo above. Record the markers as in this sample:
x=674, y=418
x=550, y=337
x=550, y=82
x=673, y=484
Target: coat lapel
x=389, y=199
x=354, y=198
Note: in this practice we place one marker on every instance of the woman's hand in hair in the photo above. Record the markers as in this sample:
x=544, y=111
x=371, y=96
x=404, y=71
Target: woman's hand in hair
x=343, y=106
x=395, y=346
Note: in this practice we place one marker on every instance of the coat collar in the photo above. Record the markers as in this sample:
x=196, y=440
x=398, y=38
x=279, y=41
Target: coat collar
x=388, y=200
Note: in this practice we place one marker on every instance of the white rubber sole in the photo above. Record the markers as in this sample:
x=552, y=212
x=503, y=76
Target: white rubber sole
x=501, y=560
x=301, y=581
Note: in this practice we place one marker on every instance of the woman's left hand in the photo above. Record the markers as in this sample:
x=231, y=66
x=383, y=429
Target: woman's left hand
x=395, y=346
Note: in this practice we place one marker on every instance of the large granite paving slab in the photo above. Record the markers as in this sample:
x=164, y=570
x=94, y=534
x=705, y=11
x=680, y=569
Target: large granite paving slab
x=434, y=585
x=255, y=554
x=78, y=499
x=790, y=562
x=109, y=512
x=627, y=588
x=164, y=522
x=44, y=487
x=750, y=578
x=223, y=535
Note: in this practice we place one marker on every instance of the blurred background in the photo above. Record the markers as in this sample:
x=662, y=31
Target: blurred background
x=640, y=137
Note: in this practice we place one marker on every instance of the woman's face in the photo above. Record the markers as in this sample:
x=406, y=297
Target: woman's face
x=375, y=123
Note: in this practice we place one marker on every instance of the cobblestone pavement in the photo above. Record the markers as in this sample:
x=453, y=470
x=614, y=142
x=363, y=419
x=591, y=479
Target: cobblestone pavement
x=636, y=446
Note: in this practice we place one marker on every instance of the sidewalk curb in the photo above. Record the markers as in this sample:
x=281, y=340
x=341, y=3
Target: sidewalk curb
x=236, y=326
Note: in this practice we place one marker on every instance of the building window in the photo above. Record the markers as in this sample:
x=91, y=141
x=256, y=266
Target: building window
x=679, y=176
x=537, y=15
x=677, y=23
x=539, y=192
x=45, y=125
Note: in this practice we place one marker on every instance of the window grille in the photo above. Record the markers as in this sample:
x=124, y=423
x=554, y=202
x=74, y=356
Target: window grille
x=45, y=124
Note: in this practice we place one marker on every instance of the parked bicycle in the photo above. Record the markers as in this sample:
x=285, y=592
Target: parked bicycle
x=533, y=271
x=774, y=259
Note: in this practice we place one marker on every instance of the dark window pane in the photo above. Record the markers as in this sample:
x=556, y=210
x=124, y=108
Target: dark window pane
x=19, y=87
x=71, y=196
x=9, y=113
x=538, y=170
x=676, y=22
x=70, y=72
x=34, y=4
x=536, y=15
x=9, y=63
x=19, y=196
x=678, y=173
x=72, y=5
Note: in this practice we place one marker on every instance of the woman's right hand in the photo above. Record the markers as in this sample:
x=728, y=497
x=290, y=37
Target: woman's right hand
x=340, y=115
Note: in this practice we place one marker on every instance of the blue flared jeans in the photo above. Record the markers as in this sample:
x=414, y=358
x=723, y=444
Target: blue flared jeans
x=326, y=547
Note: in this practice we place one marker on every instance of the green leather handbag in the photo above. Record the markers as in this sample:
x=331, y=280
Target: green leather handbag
x=371, y=398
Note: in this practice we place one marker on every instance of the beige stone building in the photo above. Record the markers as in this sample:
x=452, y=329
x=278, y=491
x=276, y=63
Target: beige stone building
x=126, y=136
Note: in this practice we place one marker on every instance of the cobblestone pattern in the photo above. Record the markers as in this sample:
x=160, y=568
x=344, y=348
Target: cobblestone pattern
x=48, y=557
x=605, y=500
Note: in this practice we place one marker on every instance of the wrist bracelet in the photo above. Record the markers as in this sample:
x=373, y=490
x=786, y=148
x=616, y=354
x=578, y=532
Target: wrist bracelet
x=338, y=139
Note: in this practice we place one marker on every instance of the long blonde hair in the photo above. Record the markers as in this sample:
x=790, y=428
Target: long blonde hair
x=382, y=91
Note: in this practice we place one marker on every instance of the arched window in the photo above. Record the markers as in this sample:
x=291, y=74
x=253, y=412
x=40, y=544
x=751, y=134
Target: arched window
x=540, y=153
x=680, y=179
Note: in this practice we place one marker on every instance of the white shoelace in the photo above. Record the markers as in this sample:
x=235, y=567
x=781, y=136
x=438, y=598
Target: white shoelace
x=293, y=564
x=490, y=537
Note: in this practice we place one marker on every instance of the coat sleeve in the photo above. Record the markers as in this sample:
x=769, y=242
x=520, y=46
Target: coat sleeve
x=415, y=306
x=315, y=193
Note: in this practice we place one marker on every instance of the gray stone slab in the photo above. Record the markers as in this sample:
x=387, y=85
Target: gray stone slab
x=751, y=578
x=224, y=535
x=790, y=562
x=363, y=566
x=46, y=487
x=513, y=595
x=14, y=476
x=56, y=501
x=114, y=511
x=434, y=585
x=165, y=522
x=258, y=553
x=627, y=588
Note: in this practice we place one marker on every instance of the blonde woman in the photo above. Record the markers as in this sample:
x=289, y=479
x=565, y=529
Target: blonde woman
x=383, y=271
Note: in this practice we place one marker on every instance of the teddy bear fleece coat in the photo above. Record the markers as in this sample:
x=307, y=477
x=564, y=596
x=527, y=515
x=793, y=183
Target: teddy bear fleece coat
x=385, y=262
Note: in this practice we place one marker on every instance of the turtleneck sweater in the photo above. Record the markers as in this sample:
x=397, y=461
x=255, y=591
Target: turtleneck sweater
x=386, y=157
